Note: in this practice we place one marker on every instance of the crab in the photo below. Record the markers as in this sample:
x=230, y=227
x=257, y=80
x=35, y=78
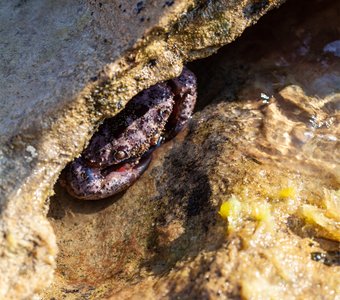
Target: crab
x=120, y=151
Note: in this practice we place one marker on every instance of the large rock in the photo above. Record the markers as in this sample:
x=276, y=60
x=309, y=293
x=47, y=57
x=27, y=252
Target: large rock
x=65, y=66
x=242, y=204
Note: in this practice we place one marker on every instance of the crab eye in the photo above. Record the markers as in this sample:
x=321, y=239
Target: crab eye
x=119, y=155
x=164, y=113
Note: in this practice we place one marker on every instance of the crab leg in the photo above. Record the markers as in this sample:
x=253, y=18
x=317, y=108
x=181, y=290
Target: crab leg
x=184, y=89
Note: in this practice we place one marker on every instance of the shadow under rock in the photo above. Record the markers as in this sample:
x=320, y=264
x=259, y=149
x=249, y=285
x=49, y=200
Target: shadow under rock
x=185, y=198
x=62, y=202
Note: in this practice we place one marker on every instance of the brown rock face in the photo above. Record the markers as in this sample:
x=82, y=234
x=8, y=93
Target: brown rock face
x=245, y=202
x=66, y=66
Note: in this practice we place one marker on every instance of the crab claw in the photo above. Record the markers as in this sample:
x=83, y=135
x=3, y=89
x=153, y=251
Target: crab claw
x=87, y=183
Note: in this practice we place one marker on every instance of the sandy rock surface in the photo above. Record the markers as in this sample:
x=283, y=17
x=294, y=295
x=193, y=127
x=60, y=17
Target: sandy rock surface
x=65, y=66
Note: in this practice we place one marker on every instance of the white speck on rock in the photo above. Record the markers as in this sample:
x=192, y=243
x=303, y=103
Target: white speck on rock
x=32, y=153
x=264, y=96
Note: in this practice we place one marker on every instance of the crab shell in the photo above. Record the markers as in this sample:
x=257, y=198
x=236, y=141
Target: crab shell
x=120, y=150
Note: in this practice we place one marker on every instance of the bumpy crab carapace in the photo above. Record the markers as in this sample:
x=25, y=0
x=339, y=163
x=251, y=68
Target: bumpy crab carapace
x=120, y=150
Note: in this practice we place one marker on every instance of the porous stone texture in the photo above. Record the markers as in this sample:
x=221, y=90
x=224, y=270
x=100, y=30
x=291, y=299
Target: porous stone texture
x=244, y=203
x=65, y=66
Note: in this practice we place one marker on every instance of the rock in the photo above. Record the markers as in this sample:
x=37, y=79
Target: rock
x=65, y=67
x=243, y=203
x=172, y=242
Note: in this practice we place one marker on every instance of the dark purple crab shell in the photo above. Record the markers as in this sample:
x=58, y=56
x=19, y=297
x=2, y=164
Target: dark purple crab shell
x=120, y=150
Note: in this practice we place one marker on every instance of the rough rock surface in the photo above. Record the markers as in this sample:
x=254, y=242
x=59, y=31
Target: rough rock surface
x=65, y=66
x=245, y=202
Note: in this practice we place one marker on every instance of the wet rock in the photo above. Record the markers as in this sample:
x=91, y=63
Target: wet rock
x=65, y=67
x=173, y=240
x=243, y=203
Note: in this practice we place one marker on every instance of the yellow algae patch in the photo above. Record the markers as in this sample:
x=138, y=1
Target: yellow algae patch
x=288, y=192
x=231, y=210
x=325, y=220
x=332, y=203
x=261, y=211
x=235, y=211
x=261, y=201
x=268, y=204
